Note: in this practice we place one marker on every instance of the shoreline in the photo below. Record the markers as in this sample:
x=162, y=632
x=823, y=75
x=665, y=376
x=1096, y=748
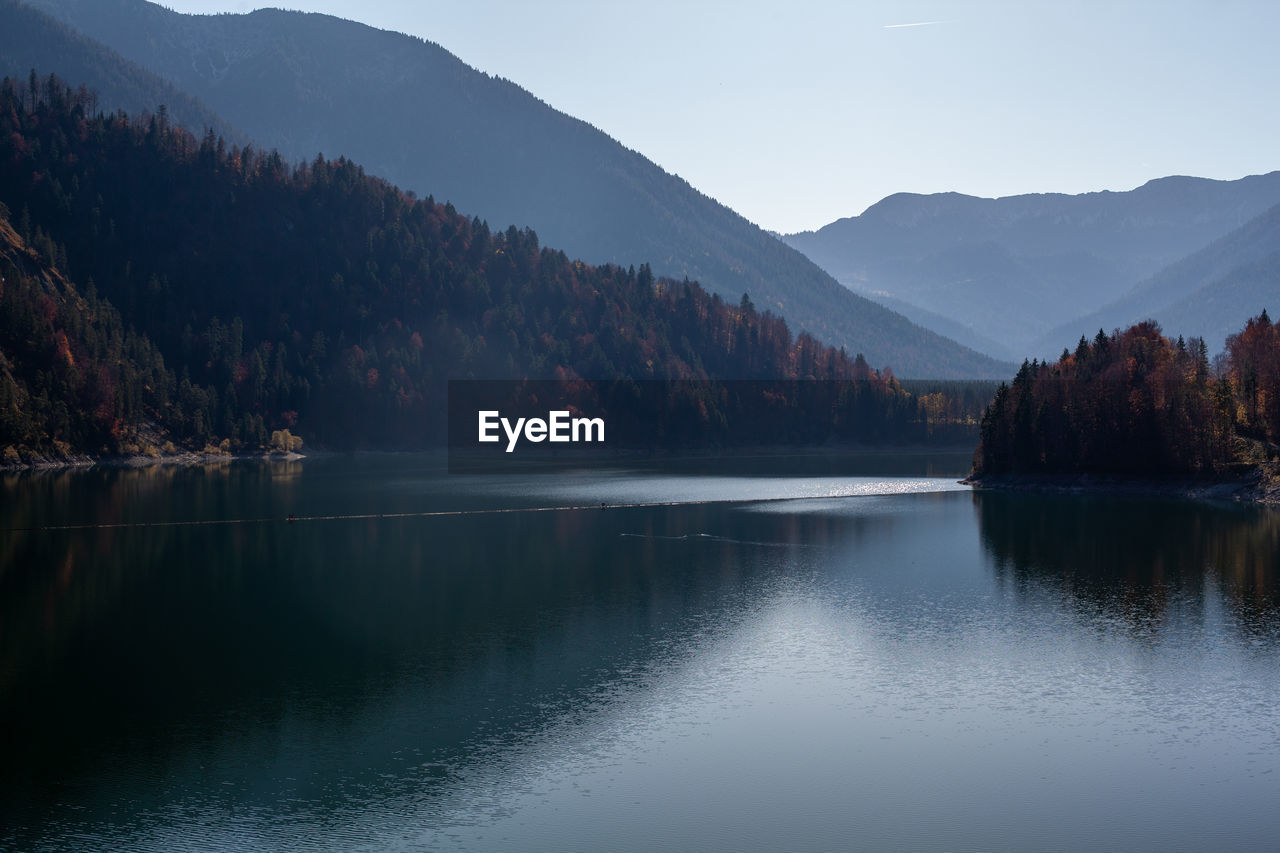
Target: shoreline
x=187, y=459
x=533, y=459
x=1256, y=486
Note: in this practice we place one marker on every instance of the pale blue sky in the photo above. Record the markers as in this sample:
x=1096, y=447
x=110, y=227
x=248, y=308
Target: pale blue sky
x=798, y=113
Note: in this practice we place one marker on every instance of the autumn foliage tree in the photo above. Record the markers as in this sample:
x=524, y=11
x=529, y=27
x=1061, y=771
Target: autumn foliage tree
x=1136, y=403
x=1253, y=368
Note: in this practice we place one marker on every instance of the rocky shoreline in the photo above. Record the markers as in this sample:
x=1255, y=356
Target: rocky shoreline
x=140, y=460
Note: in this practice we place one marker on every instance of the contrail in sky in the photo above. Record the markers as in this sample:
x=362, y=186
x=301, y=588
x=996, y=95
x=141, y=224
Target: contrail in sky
x=917, y=24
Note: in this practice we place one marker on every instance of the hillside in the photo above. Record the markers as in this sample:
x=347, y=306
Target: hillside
x=240, y=297
x=30, y=39
x=1010, y=269
x=73, y=378
x=409, y=111
x=1204, y=294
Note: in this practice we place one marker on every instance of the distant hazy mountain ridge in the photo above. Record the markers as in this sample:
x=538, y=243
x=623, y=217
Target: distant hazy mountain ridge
x=1011, y=269
x=1203, y=294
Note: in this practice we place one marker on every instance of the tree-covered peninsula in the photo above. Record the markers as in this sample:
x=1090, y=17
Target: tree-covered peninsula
x=1135, y=404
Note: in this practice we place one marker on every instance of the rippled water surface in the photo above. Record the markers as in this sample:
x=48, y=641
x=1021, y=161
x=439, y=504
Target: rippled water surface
x=787, y=654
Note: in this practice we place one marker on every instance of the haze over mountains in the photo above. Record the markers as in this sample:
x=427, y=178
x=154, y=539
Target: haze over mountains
x=30, y=39
x=1002, y=275
x=1204, y=294
x=411, y=112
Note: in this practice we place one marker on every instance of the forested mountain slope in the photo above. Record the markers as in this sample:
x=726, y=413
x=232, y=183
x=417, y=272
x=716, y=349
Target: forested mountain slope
x=73, y=377
x=315, y=298
x=411, y=112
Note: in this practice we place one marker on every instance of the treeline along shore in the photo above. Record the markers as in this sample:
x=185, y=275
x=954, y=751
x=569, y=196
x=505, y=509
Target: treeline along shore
x=1135, y=410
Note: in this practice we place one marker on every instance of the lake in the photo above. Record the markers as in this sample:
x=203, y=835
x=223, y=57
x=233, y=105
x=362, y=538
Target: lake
x=805, y=654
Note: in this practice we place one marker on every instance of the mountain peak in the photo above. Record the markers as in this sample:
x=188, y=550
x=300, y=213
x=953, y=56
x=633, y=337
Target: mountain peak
x=912, y=208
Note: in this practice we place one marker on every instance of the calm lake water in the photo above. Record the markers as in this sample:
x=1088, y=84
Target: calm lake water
x=810, y=654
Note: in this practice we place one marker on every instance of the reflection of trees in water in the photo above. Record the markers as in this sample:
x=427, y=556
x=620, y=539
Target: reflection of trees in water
x=1134, y=559
x=131, y=647
x=56, y=584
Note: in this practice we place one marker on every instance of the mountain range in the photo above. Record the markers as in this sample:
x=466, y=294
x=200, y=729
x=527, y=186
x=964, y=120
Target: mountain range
x=1203, y=295
x=1002, y=275
x=411, y=112
x=1007, y=278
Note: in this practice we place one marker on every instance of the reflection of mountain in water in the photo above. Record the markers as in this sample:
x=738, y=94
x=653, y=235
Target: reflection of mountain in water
x=1133, y=560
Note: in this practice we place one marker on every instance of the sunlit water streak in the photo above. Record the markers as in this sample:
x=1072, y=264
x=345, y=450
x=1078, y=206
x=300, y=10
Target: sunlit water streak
x=624, y=487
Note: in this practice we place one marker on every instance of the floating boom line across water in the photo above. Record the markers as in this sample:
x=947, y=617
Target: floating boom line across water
x=443, y=513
